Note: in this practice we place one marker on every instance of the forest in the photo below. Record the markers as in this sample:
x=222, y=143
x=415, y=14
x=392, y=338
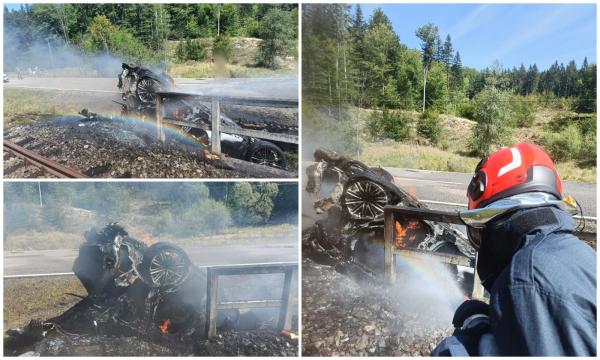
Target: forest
x=352, y=62
x=141, y=32
x=178, y=210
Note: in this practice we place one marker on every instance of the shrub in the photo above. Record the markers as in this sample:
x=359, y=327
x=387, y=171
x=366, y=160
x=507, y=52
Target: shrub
x=589, y=151
x=523, y=110
x=190, y=50
x=222, y=48
x=430, y=126
x=493, y=120
x=389, y=125
x=466, y=109
x=565, y=144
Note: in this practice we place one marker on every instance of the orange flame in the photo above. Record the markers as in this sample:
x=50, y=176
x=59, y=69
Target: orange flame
x=148, y=239
x=405, y=235
x=164, y=328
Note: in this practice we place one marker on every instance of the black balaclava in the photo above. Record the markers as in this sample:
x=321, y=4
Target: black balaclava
x=503, y=237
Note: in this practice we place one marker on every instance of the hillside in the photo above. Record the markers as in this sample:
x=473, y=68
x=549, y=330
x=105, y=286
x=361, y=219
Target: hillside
x=452, y=154
x=242, y=63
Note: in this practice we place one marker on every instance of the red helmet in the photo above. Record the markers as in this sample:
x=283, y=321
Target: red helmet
x=510, y=171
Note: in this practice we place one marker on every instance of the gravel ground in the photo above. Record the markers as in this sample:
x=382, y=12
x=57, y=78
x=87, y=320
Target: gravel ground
x=114, y=148
x=343, y=318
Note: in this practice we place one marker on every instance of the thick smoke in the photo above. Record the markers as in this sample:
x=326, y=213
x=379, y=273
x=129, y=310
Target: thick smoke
x=53, y=57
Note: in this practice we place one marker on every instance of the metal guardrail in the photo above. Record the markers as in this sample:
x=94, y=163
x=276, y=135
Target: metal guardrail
x=284, y=304
x=216, y=127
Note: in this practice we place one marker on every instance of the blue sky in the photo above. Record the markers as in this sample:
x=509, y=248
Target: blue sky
x=510, y=33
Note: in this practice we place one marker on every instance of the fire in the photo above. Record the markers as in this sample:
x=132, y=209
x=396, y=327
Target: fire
x=164, y=328
x=406, y=235
x=148, y=239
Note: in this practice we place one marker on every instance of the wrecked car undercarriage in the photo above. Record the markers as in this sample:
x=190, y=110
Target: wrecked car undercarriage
x=349, y=236
x=144, y=299
x=139, y=87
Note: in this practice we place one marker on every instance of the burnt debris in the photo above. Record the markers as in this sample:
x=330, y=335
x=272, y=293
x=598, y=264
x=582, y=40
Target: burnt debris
x=145, y=299
x=139, y=89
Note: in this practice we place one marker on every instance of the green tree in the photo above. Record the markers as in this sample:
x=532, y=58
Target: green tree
x=278, y=37
x=428, y=34
x=381, y=51
x=493, y=117
x=252, y=203
x=447, y=52
x=457, y=72
x=430, y=126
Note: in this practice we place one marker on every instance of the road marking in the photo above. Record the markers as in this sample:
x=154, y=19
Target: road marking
x=51, y=88
x=37, y=275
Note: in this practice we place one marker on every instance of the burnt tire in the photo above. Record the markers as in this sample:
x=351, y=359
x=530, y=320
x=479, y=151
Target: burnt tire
x=146, y=89
x=364, y=198
x=267, y=153
x=165, y=265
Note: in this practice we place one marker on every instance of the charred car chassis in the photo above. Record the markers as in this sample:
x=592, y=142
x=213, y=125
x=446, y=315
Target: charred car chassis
x=351, y=235
x=155, y=293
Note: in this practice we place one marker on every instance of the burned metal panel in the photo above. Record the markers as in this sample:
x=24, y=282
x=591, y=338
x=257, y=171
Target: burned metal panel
x=284, y=304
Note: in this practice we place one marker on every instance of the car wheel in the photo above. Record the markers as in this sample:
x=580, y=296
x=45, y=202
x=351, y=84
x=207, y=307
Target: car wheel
x=364, y=199
x=164, y=265
x=267, y=153
x=146, y=89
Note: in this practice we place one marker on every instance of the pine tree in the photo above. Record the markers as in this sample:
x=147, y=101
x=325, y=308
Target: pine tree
x=457, y=72
x=447, y=52
x=428, y=34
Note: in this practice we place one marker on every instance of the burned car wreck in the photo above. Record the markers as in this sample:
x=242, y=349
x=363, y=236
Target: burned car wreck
x=139, y=87
x=148, y=296
x=350, y=202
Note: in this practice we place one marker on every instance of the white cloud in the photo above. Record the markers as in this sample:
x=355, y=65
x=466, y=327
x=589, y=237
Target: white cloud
x=469, y=23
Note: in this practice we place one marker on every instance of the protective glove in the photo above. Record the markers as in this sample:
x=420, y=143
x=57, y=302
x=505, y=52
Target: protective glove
x=471, y=319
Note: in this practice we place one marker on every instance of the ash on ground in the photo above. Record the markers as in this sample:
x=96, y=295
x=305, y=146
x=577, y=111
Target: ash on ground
x=227, y=343
x=113, y=147
x=343, y=318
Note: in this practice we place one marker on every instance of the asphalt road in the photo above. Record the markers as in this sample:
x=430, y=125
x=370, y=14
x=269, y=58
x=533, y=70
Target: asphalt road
x=61, y=261
x=450, y=188
x=279, y=87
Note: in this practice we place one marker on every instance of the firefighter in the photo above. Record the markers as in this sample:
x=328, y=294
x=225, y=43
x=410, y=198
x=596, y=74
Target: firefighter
x=540, y=277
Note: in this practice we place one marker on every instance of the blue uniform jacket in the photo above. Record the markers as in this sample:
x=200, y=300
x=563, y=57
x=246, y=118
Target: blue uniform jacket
x=543, y=303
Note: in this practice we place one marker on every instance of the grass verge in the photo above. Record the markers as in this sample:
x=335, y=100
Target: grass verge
x=412, y=156
x=22, y=300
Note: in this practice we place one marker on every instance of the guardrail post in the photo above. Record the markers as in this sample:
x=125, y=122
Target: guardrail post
x=285, y=311
x=388, y=254
x=212, y=285
x=160, y=134
x=215, y=116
